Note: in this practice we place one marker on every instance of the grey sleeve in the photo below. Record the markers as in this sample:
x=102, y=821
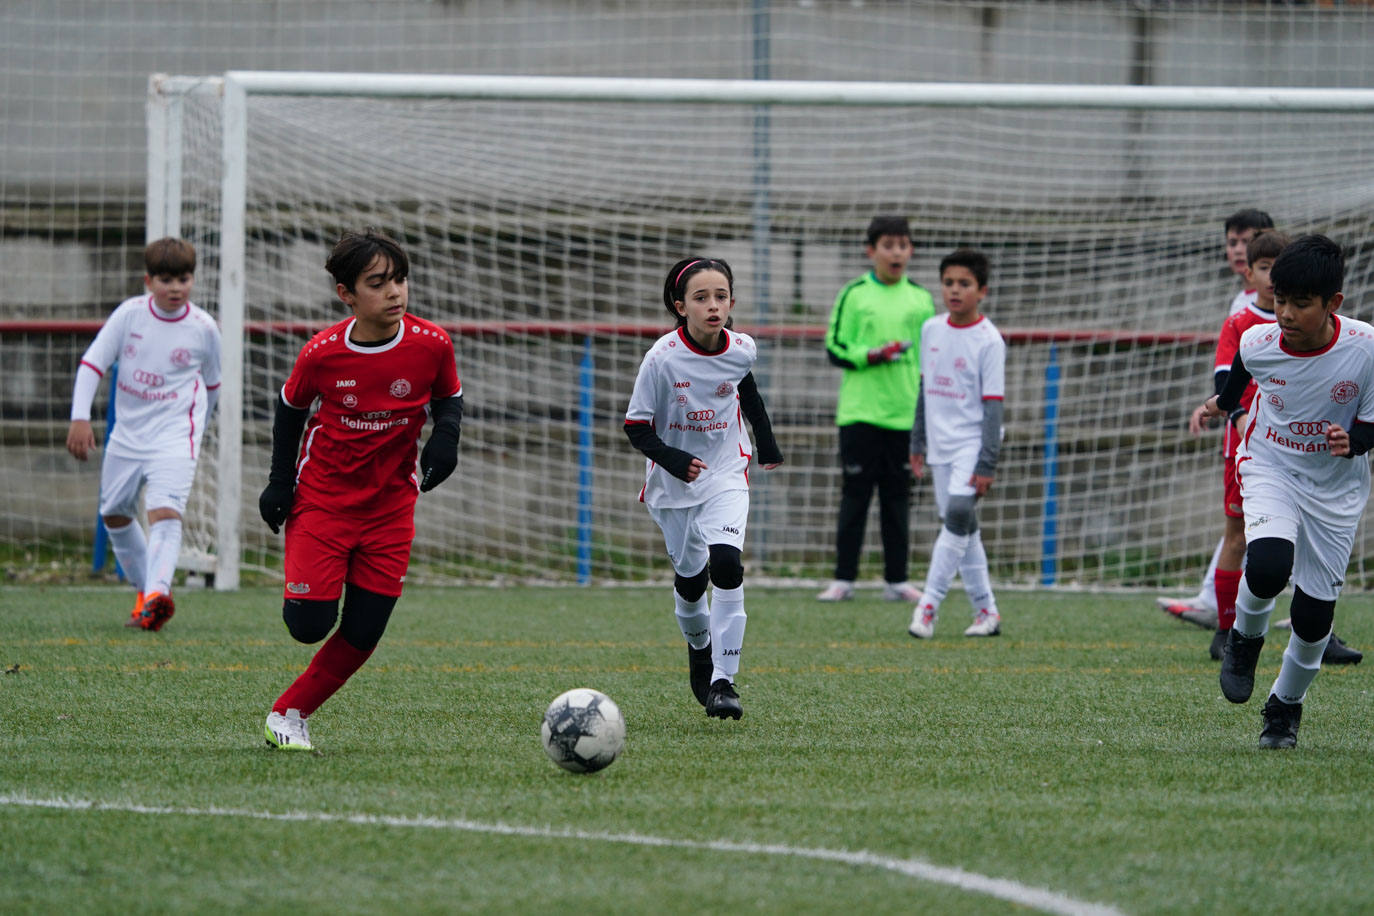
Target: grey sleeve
x=992, y=438
x=918, y=428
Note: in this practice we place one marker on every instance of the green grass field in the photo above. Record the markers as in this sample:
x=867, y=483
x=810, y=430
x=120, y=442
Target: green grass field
x=1084, y=759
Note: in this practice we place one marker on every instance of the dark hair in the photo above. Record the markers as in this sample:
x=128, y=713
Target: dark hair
x=972, y=258
x=355, y=249
x=880, y=226
x=1311, y=265
x=684, y=270
x=1267, y=243
x=1248, y=219
x=169, y=257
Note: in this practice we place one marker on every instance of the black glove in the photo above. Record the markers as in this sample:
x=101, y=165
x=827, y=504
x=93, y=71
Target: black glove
x=275, y=503
x=438, y=459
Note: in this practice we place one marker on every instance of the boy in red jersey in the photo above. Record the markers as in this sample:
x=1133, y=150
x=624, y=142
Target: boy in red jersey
x=348, y=500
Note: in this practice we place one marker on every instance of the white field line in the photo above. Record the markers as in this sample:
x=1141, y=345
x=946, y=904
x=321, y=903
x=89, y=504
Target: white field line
x=1001, y=888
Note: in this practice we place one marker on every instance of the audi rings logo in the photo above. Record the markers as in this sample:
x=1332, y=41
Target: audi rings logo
x=151, y=379
x=701, y=416
x=1308, y=427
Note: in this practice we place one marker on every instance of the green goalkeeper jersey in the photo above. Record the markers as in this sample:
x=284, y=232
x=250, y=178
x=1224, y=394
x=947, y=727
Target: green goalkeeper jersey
x=869, y=313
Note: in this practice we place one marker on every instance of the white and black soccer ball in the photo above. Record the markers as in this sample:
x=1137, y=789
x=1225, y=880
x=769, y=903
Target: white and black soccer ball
x=583, y=730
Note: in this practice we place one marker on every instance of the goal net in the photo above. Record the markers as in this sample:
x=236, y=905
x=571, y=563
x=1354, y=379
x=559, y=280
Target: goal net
x=542, y=213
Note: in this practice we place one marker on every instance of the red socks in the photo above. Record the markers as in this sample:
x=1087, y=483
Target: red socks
x=334, y=664
x=1228, y=584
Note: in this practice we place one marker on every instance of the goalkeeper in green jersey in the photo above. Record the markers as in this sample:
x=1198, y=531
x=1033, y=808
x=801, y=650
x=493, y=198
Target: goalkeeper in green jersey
x=874, y=338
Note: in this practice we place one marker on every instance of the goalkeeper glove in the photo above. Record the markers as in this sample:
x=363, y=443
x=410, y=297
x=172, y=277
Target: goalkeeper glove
x=274, y=505
x=438, y=459
x=889, y=352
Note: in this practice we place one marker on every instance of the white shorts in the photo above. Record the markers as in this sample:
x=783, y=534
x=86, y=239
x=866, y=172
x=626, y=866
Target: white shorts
x=690, y=532
x=1321, y=530
x=168, y=483
x=952, y=480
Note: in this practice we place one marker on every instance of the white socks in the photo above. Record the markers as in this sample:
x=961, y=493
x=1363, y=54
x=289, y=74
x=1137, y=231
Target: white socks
x=131, y=550
x=1252, y=614
x=1301, y=662
x=1208, y=595
x=694, y=619
x=727, y=631
x=974, y=571
x=945, y=559
x=164, y=544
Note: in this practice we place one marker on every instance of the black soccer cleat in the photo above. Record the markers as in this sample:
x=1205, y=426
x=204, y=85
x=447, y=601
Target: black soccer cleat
x=1280, y=723
x=1218, y=647
x=1238, y=666
x=699, y=670
x=722, y=702
x=1338, y=653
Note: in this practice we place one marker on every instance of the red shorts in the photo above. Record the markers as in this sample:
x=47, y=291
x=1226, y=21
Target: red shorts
x=324, y=550
x=1231, y=484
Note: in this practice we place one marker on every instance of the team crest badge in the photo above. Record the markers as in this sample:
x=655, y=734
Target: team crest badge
x=350, y=400
x=130, y=351
x=1344, y=392
x=1276, y=401
x=725, y=390
x=181, y=357
x=400, y=388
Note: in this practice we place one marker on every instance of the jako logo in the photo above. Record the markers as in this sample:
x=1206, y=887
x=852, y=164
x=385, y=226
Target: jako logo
x=1309, y=427
x=144, y=377
x=682, y=384
x=701, y=415
x=346, y=383
x=728, y=529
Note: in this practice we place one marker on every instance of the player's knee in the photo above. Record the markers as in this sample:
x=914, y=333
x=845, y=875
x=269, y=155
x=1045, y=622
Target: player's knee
x=1268, y=564
x=727, y=566
x=691, y=588
x=961, y=515
x=365, y=616
x=309, y=621
x=1311, y=617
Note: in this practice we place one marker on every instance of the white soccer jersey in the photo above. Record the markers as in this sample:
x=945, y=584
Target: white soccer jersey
x=1244, y=299
x=692, y=400
x=167, y=366
x=961, y=367
x=1299, y=396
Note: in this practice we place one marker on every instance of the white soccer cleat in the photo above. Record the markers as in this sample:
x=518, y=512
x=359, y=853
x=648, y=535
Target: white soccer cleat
x=923, y=621
x=839, y=590
x=987, y=623
x=288, y=732
x=901, y=591
x=1194, y=601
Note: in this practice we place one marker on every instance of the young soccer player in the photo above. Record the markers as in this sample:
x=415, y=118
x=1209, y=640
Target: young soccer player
x=874, y=337
x=1313, y=413
x=348, y=500
x=1238, y=229
x=169, y=376
x=957, y=434
x=694, y=385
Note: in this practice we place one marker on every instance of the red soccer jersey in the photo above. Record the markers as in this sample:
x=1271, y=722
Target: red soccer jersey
x=360, y=446
x=1227, y=345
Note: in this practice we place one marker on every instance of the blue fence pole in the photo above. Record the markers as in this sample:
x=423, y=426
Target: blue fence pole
x=585, y=478
x=1049, y=545
x=102, y=537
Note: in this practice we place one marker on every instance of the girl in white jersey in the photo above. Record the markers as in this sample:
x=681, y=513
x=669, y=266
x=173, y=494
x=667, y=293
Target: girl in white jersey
x=694, y=386
x=1303, y=482
x=169, y=375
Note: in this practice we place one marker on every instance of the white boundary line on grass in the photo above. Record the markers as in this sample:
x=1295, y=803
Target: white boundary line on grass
x=1001, y=888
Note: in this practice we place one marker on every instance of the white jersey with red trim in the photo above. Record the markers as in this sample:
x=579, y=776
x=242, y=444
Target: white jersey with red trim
x=1299, y=396
x=961, y=367
x=691, y=398
x=1243, y=300
x=168, y=363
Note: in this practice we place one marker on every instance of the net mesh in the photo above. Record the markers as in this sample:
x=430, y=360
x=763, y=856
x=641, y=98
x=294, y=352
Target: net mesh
x=540, y=232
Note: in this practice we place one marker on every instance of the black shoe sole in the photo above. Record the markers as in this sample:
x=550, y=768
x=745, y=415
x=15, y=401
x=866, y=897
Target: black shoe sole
x=722, y=711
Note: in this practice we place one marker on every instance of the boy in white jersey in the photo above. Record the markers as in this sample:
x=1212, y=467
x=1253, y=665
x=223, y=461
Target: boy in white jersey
x=1238, y=230
x=958, y=434
x=694, y=388
x=169, y=375
x=1303, y=485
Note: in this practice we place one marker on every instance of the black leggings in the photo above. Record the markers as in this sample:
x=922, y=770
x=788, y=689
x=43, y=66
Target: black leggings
x=365, y=616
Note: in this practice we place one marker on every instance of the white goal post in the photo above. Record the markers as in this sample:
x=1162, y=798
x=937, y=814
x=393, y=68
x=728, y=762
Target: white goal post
x=542, y=211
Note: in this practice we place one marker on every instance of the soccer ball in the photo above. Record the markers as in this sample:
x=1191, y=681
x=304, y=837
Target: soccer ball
x=583, y=730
